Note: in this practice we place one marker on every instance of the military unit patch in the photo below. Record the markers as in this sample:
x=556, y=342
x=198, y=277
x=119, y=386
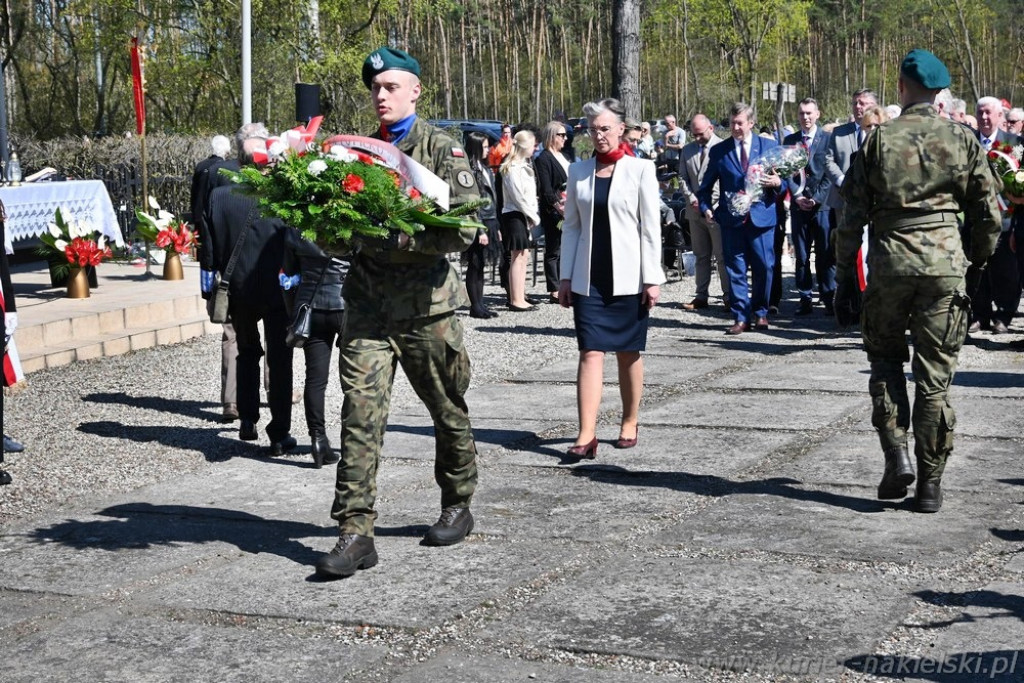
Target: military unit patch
x=465, y=179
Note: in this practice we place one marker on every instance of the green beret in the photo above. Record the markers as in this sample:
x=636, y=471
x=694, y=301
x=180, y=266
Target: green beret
x=925, y=68
x=388, y=59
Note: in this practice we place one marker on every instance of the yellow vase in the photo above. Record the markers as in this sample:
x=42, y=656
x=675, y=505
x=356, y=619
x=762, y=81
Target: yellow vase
x=172, y=267
x=78, y=284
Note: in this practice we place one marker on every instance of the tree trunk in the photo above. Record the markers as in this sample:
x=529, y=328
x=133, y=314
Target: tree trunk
x=626, y=55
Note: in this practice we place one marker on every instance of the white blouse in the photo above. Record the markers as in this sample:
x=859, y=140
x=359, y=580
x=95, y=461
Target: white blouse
x=519, y=185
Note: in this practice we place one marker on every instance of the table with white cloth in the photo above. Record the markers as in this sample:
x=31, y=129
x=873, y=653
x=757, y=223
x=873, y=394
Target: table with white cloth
x=30, y=208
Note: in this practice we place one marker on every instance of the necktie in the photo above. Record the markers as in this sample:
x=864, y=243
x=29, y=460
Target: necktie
x=860, y=137
x=986, y=143
x=743, y=156
x=805, y=143
x=703, y=153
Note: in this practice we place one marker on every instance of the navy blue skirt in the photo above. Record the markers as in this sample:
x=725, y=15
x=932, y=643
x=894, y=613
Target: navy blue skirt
x=616, y=323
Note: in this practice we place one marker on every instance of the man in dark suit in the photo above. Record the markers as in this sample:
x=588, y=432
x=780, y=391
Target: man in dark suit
x=255, y=295
x=204, y=179
x=810, y=220
x=705, y=235
x=997, y=296
x=844, y=143
x=747, y=235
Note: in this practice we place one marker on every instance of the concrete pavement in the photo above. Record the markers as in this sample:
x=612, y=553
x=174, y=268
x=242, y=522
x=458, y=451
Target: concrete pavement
x=740, y=540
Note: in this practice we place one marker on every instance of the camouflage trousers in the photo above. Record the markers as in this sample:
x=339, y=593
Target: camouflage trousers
x=435, y=361
x=935, y=310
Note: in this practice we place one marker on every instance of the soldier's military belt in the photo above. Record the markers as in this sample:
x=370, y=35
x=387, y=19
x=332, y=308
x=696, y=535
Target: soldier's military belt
x=398, y=256
x=906, y=220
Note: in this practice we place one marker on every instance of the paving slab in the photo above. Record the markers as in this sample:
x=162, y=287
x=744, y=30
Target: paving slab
x=739, y=613
x=116, y=551
x=984, y=642
x=452, y=667
x=782, y=515
x=855, y=459
x=661, y=449
x=754, y=410
x=799, y=376
x=106, y=646
x=413, y=586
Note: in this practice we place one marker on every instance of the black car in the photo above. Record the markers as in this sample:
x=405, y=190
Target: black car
x=489, y=127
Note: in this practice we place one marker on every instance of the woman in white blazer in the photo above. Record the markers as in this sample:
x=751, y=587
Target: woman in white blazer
x=610, y=269
x=519, y=213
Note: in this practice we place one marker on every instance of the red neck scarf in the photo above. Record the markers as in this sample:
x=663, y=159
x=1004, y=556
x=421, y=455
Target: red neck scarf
x=611, y=157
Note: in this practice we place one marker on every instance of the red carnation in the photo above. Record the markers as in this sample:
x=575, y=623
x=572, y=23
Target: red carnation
x=353, y=183
x=414, y=193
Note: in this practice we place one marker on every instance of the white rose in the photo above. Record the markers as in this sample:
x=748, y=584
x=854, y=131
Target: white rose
x=277, y=148
x=341, y=153
x=1019, y=177
x=316, y=167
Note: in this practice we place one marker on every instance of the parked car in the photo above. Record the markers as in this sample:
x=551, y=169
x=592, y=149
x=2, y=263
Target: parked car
x=489, y=127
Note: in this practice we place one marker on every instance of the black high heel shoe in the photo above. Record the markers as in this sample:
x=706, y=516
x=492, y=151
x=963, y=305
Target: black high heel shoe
x=322, y=452
x=586, y=451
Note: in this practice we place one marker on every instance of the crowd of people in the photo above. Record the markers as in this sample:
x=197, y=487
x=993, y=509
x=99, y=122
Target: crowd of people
x=603, y=222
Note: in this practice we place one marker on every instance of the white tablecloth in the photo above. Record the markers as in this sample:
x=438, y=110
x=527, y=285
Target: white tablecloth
x=30, y=208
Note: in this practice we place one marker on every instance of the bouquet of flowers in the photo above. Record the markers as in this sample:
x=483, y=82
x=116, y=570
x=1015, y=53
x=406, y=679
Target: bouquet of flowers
x=339, y=196
x=1006, y=162
x=73, y=243
x=781, y=161
x=164, y=230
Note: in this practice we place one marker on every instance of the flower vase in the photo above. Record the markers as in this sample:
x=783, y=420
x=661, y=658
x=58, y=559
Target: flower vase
x=172, y=267
x=78, y=284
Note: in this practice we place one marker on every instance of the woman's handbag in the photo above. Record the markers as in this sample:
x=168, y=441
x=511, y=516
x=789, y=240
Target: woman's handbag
x=301, y=327
x=302, y=324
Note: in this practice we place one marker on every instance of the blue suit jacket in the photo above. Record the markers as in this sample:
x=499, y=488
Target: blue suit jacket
x=724, y=168
x=818, y=184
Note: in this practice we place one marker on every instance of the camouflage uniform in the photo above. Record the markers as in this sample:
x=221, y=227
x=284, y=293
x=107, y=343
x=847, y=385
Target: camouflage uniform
x=908, y=181
x=400, y=308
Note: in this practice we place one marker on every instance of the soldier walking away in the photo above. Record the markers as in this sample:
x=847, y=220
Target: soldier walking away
x=401, y=296
x=908, y=181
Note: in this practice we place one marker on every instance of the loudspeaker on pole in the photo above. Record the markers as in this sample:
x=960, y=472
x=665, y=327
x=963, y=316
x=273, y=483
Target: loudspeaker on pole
x=307, y=101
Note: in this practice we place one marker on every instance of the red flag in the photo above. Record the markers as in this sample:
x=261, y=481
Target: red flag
x=138, y=88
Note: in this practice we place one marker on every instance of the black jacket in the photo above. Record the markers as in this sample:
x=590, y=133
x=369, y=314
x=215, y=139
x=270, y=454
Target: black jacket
x=205, y=179
x=550, y=184
x=255, y=277
x=304, y=258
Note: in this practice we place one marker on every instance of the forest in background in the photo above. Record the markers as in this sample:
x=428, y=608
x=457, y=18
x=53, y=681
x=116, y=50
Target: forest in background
x=67, y=71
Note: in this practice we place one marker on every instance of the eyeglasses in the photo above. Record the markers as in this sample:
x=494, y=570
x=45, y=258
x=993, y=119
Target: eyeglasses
x=560, y=135
x=602, y=131
x=1013, y=121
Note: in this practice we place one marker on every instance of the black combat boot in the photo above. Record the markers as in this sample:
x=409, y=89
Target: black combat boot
x=899, y=473
x=451, y=527
x=929, y=495
x=353, y=552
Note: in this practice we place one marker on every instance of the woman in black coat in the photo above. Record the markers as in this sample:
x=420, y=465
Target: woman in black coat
x=552, y=167
x=486, y=248
x=316, y=280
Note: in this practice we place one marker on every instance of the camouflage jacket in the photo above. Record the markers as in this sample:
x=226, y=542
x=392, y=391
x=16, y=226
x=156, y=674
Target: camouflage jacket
x=418, y=281
x=908, y=182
